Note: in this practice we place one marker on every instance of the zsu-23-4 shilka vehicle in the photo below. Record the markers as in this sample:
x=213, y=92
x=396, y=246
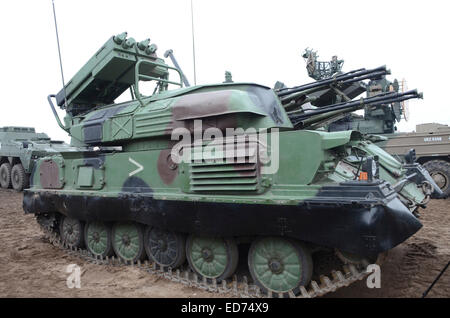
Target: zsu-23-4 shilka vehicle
x=20, y=147
x=128, y=188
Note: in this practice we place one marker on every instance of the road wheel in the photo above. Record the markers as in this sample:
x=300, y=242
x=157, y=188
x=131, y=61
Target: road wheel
x=440, y=172
x=5, y=175
x=19, y=178
x=128, y=241
x=166, y=248
x=71, y=231
x=97, y=236
x=280, y=265
x=210, y=257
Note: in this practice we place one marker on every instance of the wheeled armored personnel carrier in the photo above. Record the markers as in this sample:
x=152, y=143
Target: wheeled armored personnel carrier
x=199, y=173
x=20, y=147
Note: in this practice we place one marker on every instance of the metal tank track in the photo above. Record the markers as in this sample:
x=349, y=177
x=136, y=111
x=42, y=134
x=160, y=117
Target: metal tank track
x=234, y=287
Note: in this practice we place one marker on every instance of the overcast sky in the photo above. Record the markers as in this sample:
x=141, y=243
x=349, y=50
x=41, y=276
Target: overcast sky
x=258, y=41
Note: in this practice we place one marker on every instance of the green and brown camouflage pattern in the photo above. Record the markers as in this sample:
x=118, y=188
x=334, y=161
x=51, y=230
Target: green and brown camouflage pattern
x=237, y=105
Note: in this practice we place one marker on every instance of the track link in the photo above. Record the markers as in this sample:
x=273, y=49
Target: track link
x=237, y=286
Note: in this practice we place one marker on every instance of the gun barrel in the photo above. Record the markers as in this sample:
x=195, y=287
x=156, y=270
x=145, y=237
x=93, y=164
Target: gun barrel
x=301, y=93
x=349, y=77
x=306, y=119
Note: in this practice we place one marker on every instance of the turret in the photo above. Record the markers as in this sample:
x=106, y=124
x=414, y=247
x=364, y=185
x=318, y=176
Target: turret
x=376, y=120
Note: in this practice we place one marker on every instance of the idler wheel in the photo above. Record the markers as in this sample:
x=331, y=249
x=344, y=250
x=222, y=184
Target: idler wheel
x=128, y=241
x=97, y=236
x=164, y=247
x=279, y=265
x=214, y=258
x=71, y=231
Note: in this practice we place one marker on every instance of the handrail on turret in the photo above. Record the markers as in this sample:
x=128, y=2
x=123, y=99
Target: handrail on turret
x=139, y=77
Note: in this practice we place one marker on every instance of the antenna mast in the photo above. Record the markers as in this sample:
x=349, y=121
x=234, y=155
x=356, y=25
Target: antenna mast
x=59, y=53
x=193, y=41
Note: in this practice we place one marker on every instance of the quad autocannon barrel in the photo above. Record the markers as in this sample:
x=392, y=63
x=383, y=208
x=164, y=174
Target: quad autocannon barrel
x=289, y=94
x=308, y=118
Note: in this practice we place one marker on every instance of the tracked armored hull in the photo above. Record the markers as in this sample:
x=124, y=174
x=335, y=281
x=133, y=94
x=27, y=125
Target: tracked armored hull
x=362, y=217
x=216, y=173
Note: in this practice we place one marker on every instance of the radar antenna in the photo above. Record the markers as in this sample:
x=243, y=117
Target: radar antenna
x=321, y=70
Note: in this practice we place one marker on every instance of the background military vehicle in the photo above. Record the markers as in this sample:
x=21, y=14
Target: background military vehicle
x=431, y=142
x=20, y=147
x=285, y=192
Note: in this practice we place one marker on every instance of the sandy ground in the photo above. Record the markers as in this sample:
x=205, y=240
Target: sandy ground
x=31, y=267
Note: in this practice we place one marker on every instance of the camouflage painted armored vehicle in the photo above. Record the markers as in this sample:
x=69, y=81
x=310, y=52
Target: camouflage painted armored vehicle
x=20, y=147
x=194, y=172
